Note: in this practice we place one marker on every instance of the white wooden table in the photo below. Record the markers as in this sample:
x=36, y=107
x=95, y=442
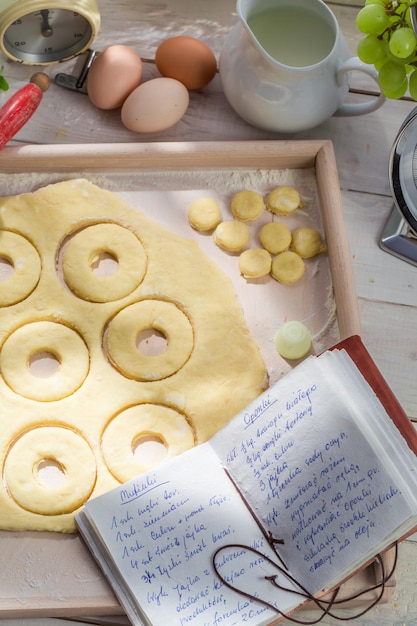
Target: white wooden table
x=386, y=286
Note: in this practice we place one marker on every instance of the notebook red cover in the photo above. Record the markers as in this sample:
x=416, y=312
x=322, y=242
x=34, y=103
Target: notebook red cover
x=355, y=347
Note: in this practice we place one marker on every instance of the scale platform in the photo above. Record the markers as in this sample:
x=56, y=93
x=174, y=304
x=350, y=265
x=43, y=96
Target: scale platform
x=398, y=239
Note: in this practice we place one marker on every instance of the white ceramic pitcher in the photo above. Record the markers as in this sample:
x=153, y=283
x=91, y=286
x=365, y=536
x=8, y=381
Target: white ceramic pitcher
x=309, y=85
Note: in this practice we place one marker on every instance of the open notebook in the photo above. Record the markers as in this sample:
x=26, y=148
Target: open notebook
x=299, y=491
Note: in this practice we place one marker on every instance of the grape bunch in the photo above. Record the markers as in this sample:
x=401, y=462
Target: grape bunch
x=390, y=44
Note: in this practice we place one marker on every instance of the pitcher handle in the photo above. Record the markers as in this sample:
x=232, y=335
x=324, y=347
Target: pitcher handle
x=358, y=108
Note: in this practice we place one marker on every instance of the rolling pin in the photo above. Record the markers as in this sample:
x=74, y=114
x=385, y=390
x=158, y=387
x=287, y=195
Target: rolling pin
x=20, y=107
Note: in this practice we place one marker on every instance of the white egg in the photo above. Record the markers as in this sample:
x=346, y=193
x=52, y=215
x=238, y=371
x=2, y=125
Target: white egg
x=155, y=105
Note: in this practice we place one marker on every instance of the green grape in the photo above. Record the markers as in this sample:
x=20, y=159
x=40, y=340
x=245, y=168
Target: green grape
x=381, y=2
x=392, y=57
x=402, y=43
x=372, y=19
x=391, y=76
x=371, y=49
x=412, y=86
x=398, y=93
x=379, y=64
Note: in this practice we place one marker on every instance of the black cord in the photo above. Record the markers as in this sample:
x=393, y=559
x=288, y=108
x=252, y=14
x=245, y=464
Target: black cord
x=325, y=606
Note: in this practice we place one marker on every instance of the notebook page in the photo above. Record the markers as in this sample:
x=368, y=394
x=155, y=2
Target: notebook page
x=162, y=531
x=311, y=475
x=377, y=427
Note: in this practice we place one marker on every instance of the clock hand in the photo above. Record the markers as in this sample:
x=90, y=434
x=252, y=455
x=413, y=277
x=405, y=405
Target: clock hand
x=46, y=28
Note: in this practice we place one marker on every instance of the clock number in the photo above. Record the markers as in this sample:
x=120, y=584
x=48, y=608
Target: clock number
x=48, y=50
x=19, y=43
x=16, y=23
x=78, y=35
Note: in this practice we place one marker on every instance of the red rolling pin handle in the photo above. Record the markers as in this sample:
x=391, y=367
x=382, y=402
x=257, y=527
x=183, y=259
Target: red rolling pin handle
x=17, y=110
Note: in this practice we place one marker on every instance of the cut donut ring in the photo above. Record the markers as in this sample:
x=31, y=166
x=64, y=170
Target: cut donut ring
x=58, y=445
x=124, y=329
x=123, y=436
x=86, y=247
x=25, y=262
x=36, y=338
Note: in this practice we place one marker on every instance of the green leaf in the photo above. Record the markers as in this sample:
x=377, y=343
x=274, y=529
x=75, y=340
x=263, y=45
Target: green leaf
x=3, y=84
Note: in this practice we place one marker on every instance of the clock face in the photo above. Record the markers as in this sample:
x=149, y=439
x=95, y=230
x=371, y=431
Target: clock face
x=47, y=36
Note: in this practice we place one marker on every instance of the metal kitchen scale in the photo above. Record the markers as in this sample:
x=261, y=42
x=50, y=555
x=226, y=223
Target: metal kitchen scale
x=41, y=32
x=399, y=236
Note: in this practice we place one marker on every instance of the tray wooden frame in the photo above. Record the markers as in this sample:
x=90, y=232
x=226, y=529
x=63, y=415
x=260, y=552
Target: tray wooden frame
x=161, y=157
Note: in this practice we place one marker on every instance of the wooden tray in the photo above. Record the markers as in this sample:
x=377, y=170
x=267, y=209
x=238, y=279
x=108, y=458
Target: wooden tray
x=52, y=574
x=162, y=158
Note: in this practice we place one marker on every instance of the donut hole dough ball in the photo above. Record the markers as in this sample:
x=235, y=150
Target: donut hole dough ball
x=247, y=205
x=293, y=340
x=283, y=200
x=21, y=268
x=87, y=247
x=255, y=263
x=231, y=236
x=287, y=267
x=128, y=434
x=126, y=328
x=62, y=344
x=204, y=214
x=307, y=242
x=62, y=448
x=275, y=237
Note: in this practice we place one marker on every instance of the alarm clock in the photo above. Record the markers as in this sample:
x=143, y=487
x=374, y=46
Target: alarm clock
x=38, y=32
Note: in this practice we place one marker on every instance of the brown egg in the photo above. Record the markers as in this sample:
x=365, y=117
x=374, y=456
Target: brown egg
x=186, y=59
x=114, y=74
